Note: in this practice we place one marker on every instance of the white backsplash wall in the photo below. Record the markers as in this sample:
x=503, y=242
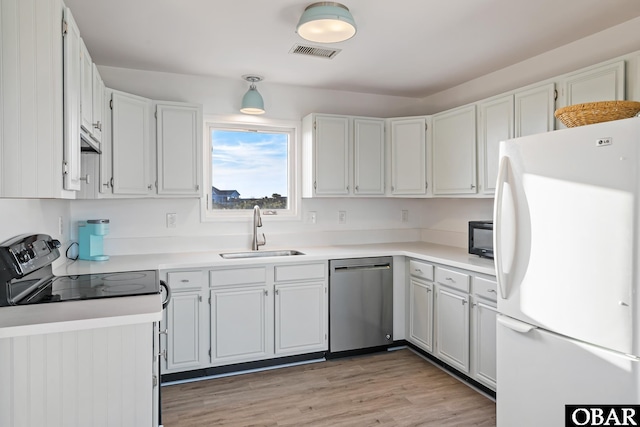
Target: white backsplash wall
x=139, y=226
x=32, y=216
x=446, y=221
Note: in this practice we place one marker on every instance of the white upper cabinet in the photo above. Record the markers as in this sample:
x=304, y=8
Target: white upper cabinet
x=72, y=100
x=409, y=156
x=330, y=136
x=98, y=104
x=179, y=144
x=454, y=151
x=368, y=156
x=602, y=83
x=495, y=124
x=86, y=89
x=131, y=144
x=342, y=156
x=534, y=108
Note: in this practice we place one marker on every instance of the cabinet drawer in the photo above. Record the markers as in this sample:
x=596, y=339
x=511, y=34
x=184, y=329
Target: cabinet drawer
x=421, y=269
x=453, y=279
x=243, y=276
x=287, y=273
x=485, y=288
x=184, y=280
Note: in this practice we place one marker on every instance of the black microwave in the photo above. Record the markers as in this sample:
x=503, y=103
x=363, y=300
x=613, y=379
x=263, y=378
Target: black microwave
x=481, y=238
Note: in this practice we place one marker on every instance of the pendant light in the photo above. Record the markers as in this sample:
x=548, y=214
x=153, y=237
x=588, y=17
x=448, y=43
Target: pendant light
x=326, y=22
x=252, y=102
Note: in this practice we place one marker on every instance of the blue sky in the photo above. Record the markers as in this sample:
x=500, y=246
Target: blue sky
x=253, y=163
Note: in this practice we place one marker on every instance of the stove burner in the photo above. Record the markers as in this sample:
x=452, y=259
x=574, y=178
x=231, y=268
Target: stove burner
x=122, y=288
x=123, y=276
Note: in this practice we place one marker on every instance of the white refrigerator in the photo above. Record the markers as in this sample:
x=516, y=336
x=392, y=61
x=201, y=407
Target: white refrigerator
x=566, y=238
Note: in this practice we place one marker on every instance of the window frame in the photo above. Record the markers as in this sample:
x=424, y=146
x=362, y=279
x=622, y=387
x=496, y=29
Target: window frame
x=293, y=167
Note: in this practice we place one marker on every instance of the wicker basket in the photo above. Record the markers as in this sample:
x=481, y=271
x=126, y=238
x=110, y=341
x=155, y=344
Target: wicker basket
x=596, y=112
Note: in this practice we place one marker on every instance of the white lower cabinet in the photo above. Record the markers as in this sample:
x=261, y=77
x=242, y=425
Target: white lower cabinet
x=483, y=331
x=300, y=318
x=452, y=327
x=185, y=336
x=238, y=315
x=452, y=315
x=240, y=324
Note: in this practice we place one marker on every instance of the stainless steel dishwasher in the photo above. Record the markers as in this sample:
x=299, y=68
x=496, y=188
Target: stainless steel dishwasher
x=360, y=303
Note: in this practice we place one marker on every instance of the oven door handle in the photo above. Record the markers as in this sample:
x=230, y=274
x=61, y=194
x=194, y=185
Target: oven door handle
x=167, y=298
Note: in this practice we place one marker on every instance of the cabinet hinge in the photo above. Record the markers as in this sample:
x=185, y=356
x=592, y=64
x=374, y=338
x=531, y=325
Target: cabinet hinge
x=65, y=168
x=65, y=28
x=155, y=381
x=200, y=298
x=209, y=304
x=555, y=94
x=155, y=114
x=426, y=126
x=209, y=352
x=314, y=125
x=111, y=104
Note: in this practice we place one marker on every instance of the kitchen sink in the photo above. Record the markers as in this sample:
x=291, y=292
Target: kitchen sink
x=259, y=254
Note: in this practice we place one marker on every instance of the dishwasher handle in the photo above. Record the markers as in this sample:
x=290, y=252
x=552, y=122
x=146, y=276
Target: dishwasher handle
x=348, y=268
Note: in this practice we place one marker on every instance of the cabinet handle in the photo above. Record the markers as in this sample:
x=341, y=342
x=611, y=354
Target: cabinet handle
x=165, y=332
x=86, y=178
x=428, y=290
x=185, y=280
x=98, y=125
x=450, y=279
x=277, y=292
x=491, y=291
x=472, y=186
x=393, y=188
x=357, y=188
x=464, y=301
x=163, y=354
x=111, y=181
x=418, y=270
x=149, y=186
x=106, y=184
x=266, y=292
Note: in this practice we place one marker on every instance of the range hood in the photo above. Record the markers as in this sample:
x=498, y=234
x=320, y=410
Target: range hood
x=89, y=145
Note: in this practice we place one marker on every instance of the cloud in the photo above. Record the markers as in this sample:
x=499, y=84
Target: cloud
x=253, y=163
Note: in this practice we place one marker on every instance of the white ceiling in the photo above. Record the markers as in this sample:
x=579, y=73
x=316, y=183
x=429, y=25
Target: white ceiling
x=410, y=48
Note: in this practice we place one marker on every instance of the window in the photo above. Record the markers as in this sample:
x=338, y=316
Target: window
x=252, y=165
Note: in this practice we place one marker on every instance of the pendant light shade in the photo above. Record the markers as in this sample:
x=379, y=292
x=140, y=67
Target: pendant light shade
x=252, y=102
x=326, y=22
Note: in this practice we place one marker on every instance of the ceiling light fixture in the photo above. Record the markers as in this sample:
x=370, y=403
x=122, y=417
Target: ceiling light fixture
x=326, y=22
x=252, y=102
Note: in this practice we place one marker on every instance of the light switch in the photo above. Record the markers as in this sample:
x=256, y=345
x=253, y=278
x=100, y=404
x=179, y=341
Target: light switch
x=172, y=218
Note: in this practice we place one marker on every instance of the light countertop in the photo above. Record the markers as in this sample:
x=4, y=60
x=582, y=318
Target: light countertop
x=78, y=315
x=452, y=256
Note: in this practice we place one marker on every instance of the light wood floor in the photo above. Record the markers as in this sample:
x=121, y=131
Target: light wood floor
x=395, y=388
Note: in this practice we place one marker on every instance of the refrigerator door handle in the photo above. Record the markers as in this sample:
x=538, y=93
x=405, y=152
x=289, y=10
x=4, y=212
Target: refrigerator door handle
x=497, y=223
x=514, y=324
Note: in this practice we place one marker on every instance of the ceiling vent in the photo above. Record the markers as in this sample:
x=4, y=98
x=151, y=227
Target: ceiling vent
x=318, y=52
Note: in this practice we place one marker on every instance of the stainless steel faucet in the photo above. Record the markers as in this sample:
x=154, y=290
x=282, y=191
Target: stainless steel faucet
x=257, y=222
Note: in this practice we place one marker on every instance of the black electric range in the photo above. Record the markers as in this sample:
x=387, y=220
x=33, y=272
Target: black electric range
x=26, y=276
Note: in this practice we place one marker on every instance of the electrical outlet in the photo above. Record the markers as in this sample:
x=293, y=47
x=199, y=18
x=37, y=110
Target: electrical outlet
x=342, y=217
x=172, y=218
x=311, y=217
x=405, y=215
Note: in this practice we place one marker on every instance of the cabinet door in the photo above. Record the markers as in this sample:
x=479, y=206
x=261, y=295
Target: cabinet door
x=98, y=104
x=452, y=328
x=454, y=151
x=183, y=331
x=86, y=89
x=534, y=110
x=179, y=142
x=604, y=83
x=331, y=146
x=495, y=122
x=368, y=151
x=484, y=343
x=239, y=326
x=72, y=119
x=421, y=314
x=300, y=318
x=130, y=144
x=105, y=185
x=408, y=156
